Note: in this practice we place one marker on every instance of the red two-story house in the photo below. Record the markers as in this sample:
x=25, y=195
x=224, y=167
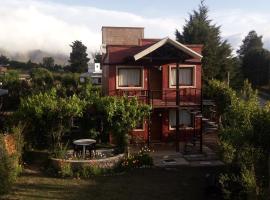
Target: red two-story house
x=147, y=68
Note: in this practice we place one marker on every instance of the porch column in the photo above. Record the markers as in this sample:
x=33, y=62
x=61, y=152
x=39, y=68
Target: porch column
x=148, y=102
x=177, y=128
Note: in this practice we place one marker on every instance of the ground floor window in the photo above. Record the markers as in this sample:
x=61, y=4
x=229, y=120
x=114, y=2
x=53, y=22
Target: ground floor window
x=139, y=126
x=185, y=118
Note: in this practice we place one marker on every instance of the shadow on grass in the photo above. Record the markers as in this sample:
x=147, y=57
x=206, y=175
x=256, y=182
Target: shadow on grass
x=154, y=184
x=151, y=184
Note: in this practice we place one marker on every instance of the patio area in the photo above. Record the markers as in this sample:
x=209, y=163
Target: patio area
x=165, y=155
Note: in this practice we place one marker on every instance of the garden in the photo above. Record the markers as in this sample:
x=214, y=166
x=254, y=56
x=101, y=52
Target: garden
x=44, y=117
x=41, y=119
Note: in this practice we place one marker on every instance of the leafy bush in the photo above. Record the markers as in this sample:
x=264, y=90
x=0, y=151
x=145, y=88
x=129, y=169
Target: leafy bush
x=120, y=116
x=60, y=151
x=49, y=117
x=244, y=137
x=9, y=168
x=65, y=170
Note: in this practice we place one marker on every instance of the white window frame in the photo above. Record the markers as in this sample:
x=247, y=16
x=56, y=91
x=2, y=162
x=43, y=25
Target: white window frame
x=143, y=125
x=183, y=86
x=186, y=128
x=131, y=67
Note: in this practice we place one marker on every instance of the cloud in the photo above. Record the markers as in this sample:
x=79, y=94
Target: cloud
x=32, y=24
x=236, y=23
x=52, y=27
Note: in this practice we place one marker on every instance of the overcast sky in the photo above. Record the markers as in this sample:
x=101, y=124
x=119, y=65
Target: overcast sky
x=52, y=25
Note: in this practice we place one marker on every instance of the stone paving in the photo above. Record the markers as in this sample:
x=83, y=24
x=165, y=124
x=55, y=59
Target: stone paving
x=166, y=156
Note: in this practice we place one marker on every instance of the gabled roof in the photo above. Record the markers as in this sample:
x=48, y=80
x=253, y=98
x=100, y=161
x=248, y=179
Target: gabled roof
x=164, y=41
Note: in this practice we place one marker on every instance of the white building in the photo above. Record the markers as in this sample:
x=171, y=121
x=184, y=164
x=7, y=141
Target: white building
x=94, y=73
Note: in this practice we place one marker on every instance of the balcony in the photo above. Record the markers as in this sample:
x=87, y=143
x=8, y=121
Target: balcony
x=163, y=98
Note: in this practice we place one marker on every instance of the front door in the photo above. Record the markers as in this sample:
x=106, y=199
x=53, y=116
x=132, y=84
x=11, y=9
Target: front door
x=156, y=82
x=156, y=126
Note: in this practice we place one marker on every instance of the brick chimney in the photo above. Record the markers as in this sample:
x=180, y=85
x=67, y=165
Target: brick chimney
x=121, y=35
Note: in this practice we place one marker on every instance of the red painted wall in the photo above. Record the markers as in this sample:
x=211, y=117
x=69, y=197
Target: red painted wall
x=167, y=135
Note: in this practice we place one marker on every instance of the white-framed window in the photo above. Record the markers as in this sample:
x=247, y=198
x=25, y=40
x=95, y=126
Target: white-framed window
x=185, y=119
x=129, y=77
x=139, y=126
x=186, y=76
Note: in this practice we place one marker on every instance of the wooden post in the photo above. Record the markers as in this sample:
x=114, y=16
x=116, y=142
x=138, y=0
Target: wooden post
x=177, y=128
x=149, y=118
x=201, y=129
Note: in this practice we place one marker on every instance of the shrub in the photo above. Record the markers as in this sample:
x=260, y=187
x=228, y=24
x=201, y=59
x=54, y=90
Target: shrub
x=120, y=116
x=60, y=151
x=9, y=168
x=138, y=160
x=65, y=170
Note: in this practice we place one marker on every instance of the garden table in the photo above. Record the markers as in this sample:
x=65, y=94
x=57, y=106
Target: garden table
x=84, y=143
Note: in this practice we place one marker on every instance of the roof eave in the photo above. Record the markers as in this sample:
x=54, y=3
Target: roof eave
x=161, y=43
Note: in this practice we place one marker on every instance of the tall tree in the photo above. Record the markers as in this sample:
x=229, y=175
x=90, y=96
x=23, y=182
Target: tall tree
x=255, y=60
x=199, y=29
x=48, y=62
x=78, y=57
x=256, y=65
x=250, y=42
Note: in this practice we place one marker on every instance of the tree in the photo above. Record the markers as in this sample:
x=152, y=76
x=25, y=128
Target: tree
x=121, y=115
x=255, y=66
x=48, y=62
x=255, y=60
x=49, y=117
x=97, y=57
x=42, y=79
x=3, y=60
x=199, y=29
x=250, y=42
x=78, y=57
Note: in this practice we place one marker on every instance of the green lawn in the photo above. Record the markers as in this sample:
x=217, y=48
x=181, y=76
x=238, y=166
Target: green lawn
x=148, y=184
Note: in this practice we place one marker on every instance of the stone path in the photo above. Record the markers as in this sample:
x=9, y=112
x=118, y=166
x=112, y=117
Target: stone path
x=170, y=158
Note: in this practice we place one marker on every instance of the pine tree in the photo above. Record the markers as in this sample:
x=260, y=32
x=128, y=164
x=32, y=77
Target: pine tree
x=78, y=57
x=250, y=42
x=199, y=29
x=255, y=60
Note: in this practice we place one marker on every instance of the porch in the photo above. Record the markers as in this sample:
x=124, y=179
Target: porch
x=163, y=98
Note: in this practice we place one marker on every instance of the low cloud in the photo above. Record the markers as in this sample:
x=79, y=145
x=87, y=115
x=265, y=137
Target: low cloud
x=52, y=27
x=30, y=24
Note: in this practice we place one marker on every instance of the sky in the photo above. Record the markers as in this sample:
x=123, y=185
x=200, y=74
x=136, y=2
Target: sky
x=52, y=25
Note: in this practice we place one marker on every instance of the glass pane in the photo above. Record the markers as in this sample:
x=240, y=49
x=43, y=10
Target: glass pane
x=185, y=118
x=129, y=77
x=185, y=76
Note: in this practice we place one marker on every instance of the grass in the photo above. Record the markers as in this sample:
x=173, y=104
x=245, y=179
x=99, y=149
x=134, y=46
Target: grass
x=150, y=184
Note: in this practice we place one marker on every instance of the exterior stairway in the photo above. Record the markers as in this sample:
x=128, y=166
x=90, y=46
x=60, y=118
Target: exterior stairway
x=194, y=145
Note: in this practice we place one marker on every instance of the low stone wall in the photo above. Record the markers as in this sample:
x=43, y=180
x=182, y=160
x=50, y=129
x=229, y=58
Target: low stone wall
x=104, y=163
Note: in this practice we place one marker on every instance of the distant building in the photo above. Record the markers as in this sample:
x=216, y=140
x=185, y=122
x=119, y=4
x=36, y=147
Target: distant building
x=94, y=74
x=3, y=69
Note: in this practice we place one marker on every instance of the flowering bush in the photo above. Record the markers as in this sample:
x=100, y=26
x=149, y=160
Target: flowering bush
x=139, y=160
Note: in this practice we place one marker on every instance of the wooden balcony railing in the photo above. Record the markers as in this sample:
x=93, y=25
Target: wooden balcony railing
x=163, y=98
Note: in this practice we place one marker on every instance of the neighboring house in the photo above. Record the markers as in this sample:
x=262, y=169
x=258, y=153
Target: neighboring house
x=146, y=68
x=3, y=69
x=94, y=73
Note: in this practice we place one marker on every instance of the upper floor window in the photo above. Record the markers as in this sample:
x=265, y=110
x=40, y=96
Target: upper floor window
x=129, y=77
x=186, y=76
